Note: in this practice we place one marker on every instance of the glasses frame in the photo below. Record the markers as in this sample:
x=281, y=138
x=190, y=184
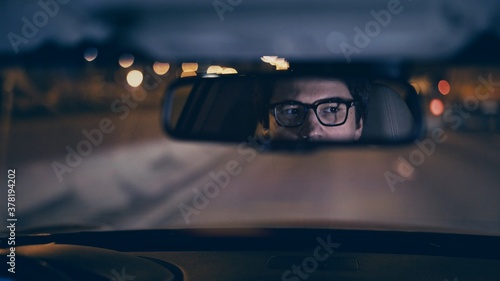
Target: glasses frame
x=314, y=106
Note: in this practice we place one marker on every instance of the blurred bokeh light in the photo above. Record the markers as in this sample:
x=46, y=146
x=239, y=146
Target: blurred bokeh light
x=444, y=87
x=161, y=68
x=126, y=60
x=279, y=63
x=214, y=69
x=436, y=107
x=134, y=78
x=189, y=69
x=90, y=54
x=229, y=70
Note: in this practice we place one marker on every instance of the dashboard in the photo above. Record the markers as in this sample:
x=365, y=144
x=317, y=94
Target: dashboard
x=255, y=254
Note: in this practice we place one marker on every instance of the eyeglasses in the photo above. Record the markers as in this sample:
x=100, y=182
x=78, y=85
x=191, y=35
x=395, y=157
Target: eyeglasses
x=330, y=112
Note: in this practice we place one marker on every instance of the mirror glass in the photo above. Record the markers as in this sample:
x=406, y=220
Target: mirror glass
x=293, y=109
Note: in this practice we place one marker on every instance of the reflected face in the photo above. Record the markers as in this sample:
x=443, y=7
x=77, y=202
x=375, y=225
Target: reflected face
x=330, y=102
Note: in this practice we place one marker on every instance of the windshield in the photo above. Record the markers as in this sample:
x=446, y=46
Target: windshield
x=83, y=140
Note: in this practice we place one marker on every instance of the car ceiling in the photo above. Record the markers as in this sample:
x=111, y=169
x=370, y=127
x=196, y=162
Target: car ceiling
x=301, y=30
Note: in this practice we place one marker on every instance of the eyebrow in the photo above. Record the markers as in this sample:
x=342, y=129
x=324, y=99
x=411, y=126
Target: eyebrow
x=332, y=99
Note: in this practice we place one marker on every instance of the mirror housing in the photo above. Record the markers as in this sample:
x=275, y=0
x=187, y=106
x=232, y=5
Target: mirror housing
x=235, y=108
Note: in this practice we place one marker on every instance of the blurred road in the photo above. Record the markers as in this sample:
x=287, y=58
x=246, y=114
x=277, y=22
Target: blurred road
x=137, y=177
x=46, y=137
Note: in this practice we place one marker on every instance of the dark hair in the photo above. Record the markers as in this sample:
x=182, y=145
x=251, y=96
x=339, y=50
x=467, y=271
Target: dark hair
x=359, y=88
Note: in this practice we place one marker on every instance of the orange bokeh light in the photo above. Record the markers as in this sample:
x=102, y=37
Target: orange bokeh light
x=444, y=87
x=436, y=107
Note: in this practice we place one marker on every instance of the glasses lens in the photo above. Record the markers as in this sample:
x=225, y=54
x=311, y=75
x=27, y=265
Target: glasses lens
x=332, y=113
x=289, y=114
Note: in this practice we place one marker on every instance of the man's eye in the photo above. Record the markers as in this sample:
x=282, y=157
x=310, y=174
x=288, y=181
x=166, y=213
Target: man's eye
x=330, y=108
x=290, y=110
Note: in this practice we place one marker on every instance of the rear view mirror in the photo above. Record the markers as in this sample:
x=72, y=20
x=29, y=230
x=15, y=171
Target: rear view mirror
x=293, y=109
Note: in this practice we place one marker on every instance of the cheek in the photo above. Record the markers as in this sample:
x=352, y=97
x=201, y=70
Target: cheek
x=278, y=132
x=344, y=132
x=351, y=121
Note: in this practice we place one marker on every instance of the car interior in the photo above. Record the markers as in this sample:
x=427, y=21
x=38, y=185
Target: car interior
x=257, y=254
x=134, y=143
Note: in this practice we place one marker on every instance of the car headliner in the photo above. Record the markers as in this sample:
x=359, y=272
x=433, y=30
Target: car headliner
x=295, y=29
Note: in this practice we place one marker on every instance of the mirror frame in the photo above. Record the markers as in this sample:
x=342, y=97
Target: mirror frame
x=413, y=100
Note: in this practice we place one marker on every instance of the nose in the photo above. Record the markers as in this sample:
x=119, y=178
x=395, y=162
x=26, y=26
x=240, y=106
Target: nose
x=311, y=128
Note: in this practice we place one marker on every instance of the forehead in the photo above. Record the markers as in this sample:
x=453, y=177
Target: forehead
x=309, y=90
